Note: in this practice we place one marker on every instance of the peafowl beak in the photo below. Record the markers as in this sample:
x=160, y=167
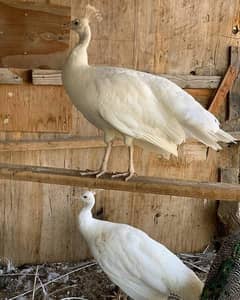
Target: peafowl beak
x=73, y=25
x=67, y=26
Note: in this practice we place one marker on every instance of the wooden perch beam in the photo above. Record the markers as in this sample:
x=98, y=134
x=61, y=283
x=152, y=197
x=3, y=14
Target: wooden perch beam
x=202, y=190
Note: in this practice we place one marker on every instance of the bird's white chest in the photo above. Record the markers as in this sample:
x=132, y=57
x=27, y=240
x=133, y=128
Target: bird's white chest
x=81, y=88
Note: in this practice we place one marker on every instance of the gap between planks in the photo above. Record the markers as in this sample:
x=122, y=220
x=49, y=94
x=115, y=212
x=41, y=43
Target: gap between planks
x=153, y=185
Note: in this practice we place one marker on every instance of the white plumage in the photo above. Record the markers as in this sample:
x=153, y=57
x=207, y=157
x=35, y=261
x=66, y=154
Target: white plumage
x=143, y=268
x=146, y=109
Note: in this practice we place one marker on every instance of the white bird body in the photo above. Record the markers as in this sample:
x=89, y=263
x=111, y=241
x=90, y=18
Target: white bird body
x=143, y=108
x=100, y=94
x=143, y=268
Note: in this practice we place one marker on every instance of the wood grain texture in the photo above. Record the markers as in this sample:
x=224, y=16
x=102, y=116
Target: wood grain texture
x=33, y=34
x=46, y=77
x=29, y=108
x=169, y=39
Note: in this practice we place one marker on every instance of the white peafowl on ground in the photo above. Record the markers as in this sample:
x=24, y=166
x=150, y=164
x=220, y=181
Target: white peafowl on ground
x=143, y=268
x=144, y=109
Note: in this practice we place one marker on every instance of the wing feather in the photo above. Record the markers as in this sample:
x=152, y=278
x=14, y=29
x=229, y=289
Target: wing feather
x=137, y=113
x=181, y=107
x=130, y=252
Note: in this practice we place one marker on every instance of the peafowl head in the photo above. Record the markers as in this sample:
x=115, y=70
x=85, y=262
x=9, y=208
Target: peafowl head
x=81, y=25
x=88, y=198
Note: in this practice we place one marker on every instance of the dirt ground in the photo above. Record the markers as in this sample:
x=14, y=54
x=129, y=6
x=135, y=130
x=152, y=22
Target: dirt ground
x=66, y=281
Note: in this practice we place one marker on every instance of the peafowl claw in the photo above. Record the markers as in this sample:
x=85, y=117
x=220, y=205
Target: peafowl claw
x=128, y=175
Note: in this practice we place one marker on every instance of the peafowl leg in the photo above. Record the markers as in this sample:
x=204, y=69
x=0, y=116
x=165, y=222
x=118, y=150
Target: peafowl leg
x=131, y=170
x=104, y=165
x=103, y=168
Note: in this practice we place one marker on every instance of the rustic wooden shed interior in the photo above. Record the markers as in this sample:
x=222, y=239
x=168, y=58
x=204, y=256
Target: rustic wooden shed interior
x=39, y=126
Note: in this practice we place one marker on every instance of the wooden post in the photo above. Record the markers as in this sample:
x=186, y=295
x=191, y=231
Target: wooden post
x=229, y=211
x=234, y=95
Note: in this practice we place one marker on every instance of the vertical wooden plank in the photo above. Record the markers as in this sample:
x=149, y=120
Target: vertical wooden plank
x=2, y=216
x=22, y=222
x=234, y=102
x=229, y=213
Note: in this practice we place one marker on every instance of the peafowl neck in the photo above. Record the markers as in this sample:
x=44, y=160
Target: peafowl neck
x=86, y=220
x=79, y=56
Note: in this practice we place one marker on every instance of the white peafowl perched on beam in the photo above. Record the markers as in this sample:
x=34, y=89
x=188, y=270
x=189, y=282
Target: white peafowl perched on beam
x=143, y=268
x=144, y=109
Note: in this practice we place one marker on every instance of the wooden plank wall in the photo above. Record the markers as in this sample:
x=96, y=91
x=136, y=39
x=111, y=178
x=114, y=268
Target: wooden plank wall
x=33, y=34
x=38, y=109
x=38, y=221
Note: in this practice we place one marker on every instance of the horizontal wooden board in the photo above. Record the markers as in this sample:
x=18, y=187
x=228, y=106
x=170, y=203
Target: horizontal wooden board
x=54, y=77
x=33, y=109
x=194, y=81
x=9, y=77
x=191, y=148
x=33, y=34
x=152, y=185
x=55, y=144
x=46, y=77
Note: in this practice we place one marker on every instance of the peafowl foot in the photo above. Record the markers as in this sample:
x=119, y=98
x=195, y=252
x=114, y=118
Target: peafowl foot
x=98, y=173
x=90, y=172
x=128, y=175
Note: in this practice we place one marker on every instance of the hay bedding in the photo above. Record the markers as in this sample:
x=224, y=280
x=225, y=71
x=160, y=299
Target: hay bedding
x=71, y=281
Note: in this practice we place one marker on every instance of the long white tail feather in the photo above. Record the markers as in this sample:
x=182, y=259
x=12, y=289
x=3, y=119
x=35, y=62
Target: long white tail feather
x=223, y=136
x=205, y=138
x=162, y=143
